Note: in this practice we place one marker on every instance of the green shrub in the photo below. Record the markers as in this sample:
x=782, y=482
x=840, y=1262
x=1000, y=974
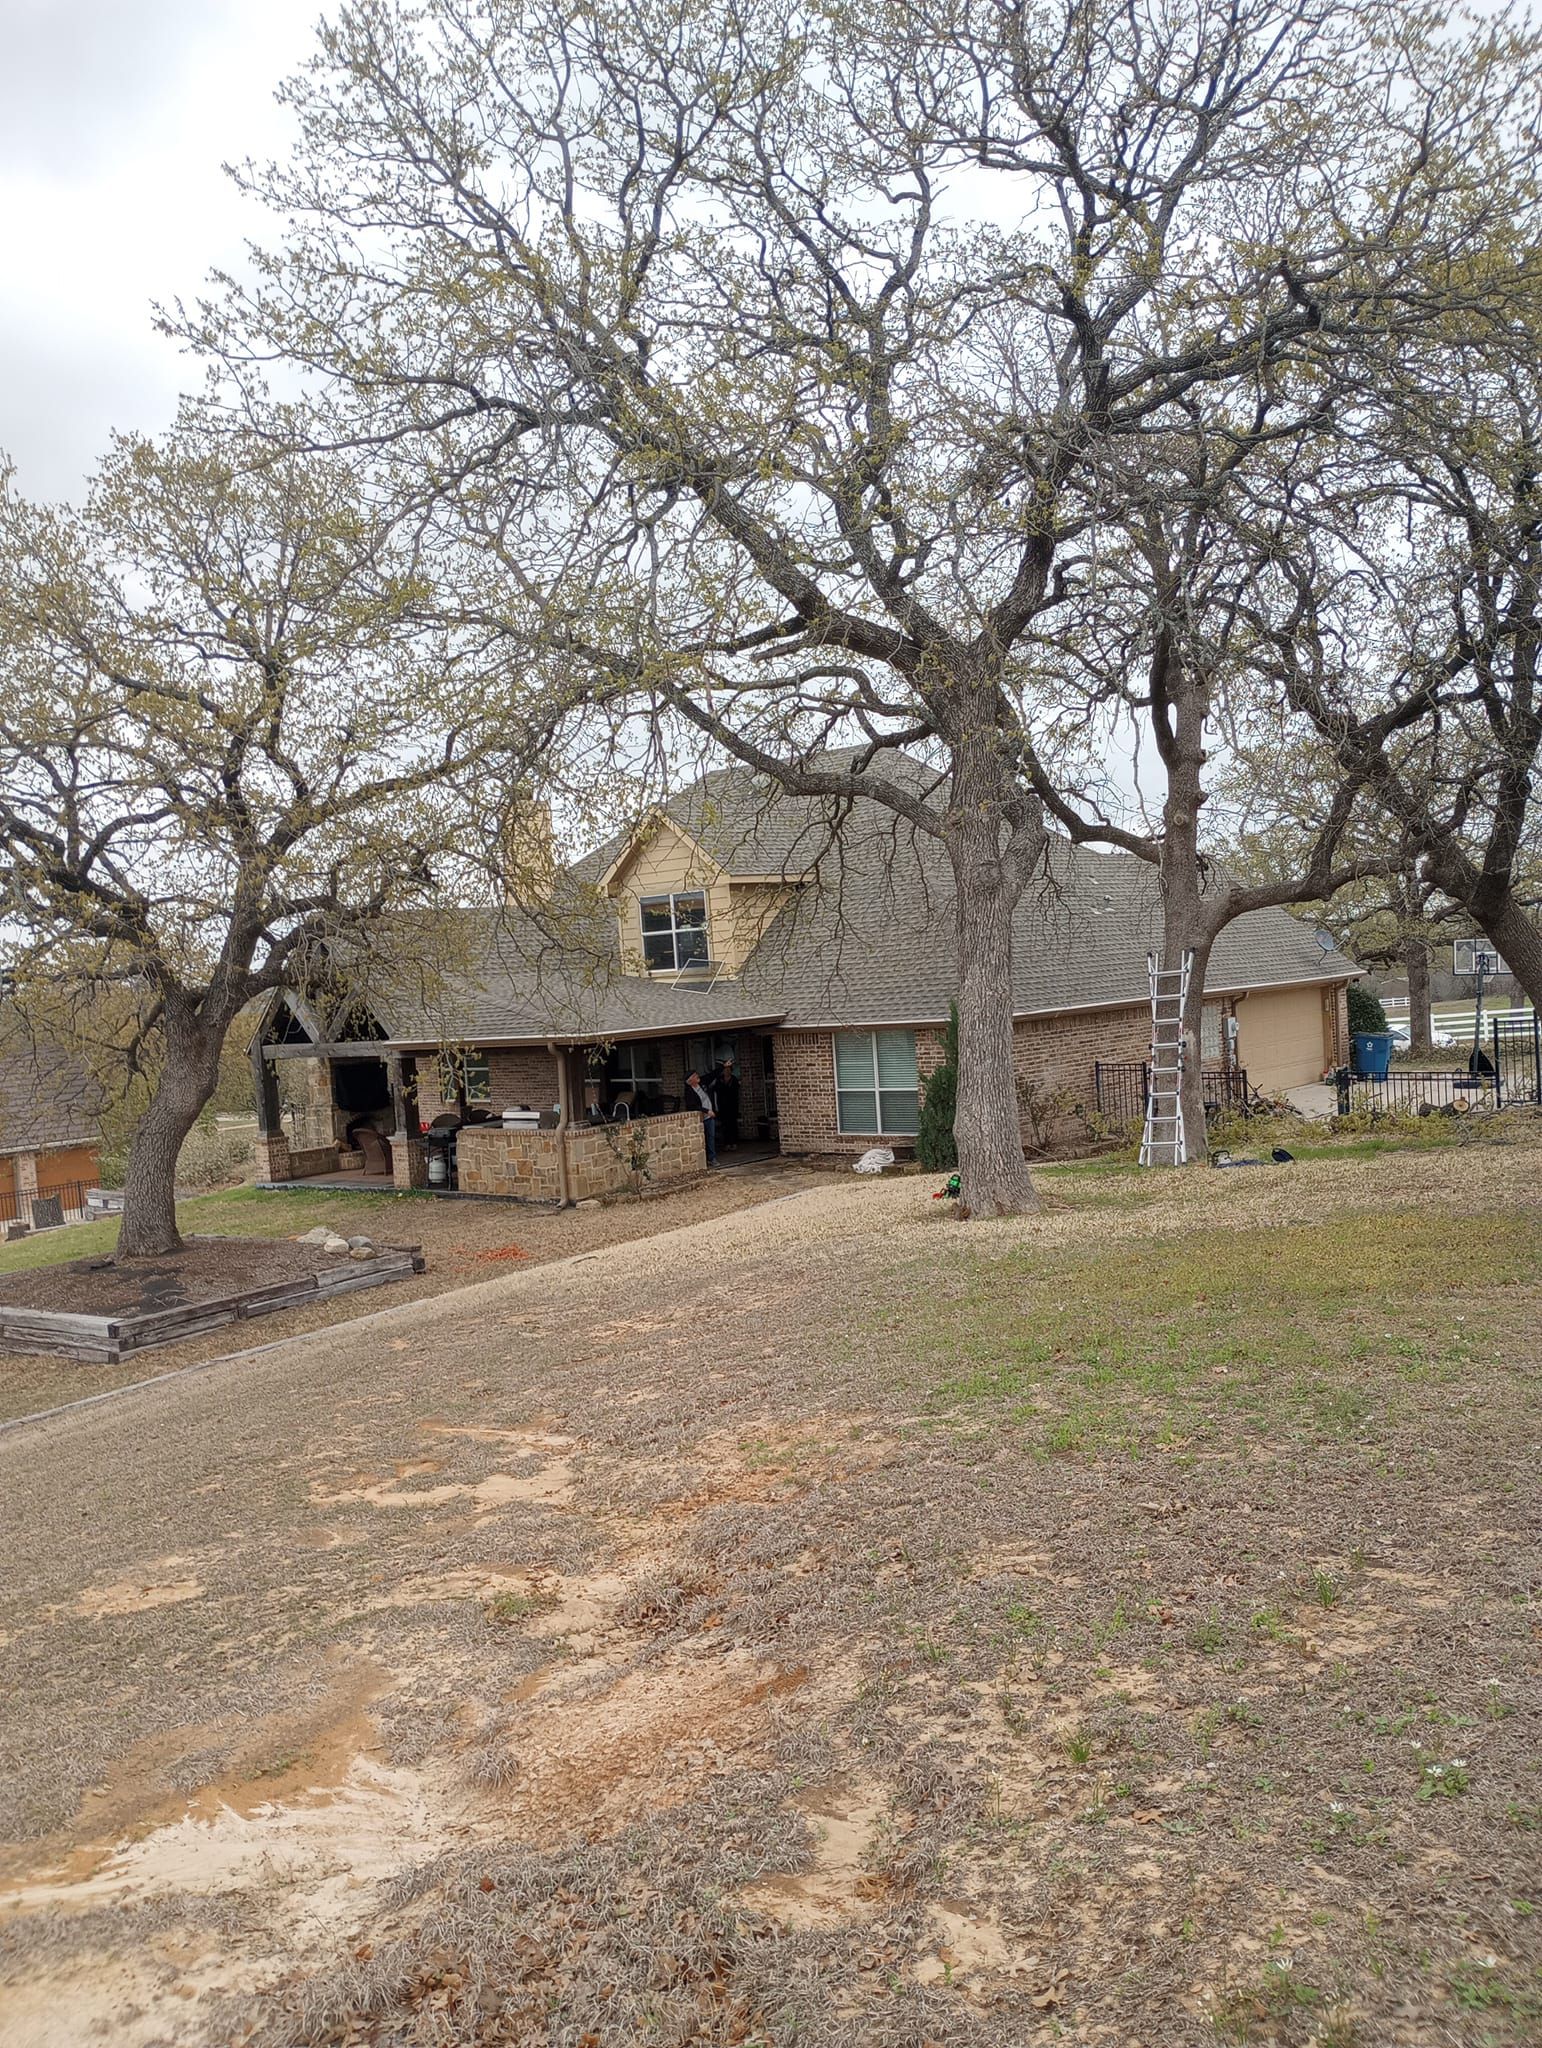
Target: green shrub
x=213, y=1159
x=208, y=1159
x=1365, y=1011
x=935, y=1148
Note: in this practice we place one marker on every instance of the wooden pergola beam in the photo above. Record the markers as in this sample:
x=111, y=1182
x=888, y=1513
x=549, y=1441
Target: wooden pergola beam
x=339, y=1049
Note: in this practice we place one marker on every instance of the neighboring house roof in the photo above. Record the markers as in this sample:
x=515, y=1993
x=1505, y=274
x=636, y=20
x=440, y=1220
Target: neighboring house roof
x=869, y=939
x=48, y=1099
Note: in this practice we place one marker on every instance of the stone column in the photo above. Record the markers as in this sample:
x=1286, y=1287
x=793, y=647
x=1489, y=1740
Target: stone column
x=409, y=1161
x=409, y=1155
x=272, y=1161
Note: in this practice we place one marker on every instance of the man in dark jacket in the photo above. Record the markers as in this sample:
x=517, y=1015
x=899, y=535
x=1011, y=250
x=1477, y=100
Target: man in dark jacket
x=727, y=1104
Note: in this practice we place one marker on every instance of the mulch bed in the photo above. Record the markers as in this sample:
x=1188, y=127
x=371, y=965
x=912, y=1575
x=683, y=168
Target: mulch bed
x=208, y=1269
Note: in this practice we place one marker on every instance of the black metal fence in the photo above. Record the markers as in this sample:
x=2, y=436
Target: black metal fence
x=1515, y=1048
x=1408, y=1092
x=1121, y=1087
x=49, y=1206
x=1506, y=1074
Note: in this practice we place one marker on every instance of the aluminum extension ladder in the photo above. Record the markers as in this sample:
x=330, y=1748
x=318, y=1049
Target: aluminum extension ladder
x=1163, y=1141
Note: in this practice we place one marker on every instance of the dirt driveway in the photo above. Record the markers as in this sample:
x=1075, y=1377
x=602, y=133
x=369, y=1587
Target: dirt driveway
x=464, y=1242
x=816, y=1625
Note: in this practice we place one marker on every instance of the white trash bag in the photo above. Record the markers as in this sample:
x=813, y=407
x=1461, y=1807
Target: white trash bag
x=874, y=1161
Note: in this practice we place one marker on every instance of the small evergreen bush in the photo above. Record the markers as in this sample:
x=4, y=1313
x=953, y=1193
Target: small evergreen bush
x=1365, y=1011
x=935, y=1148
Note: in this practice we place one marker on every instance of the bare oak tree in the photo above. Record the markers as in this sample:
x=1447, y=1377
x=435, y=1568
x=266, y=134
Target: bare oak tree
x=1408, y=632
x=226, y=750
x=1161, y=652
x=782, y=355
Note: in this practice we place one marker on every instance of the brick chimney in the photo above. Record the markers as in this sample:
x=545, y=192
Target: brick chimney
x=529, y=850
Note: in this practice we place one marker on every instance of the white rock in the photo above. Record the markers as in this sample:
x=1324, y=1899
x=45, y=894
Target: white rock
x=334, y=1243
x=319, y=1235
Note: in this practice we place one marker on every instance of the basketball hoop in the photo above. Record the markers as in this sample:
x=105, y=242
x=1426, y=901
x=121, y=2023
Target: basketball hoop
x=1474, y=956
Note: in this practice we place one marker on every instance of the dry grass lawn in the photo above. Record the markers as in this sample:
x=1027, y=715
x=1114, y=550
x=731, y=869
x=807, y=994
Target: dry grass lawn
x=465, y=1242
x=822, y=1625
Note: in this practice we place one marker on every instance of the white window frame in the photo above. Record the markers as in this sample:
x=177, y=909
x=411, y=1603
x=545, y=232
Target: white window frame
x=878, y=1092
x=467, y=1064
x=673, y=897
x=625, y=1056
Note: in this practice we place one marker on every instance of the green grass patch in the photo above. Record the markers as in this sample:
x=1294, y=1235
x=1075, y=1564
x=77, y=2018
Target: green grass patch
x=1171, y=1338
x=511, y=1606
x=1257, y=1136
x=238, y=1212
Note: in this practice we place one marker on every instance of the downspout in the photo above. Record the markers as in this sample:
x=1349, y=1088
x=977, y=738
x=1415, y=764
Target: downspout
x=564, y=1183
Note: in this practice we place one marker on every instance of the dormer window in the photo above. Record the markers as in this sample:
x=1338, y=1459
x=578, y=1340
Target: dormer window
x=674, y=930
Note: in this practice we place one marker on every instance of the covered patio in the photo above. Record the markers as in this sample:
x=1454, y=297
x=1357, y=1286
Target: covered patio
x=550, y=1120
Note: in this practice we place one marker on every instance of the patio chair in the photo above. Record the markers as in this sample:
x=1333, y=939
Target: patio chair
x=377, y=1153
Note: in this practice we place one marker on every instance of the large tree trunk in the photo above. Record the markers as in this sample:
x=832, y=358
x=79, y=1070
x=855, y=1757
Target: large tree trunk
x=189, y=1076
x=1188, y=919
x=1517, y=939
x=1490, y=902
x=1196, y=1137
x=1186, y=928
x=993, y=1174
x=1416, y=961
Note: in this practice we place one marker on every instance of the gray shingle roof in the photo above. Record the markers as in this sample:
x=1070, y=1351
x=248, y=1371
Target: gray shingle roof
x=48, y=1099
x=868, y=941
x=523, y=977
x=748, y=827
x=874, y=943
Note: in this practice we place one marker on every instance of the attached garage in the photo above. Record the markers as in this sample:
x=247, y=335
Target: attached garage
x=1281, y=1039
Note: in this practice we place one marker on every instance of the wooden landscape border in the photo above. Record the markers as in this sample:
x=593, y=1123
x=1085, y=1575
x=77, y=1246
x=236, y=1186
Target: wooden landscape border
x=107, y=1340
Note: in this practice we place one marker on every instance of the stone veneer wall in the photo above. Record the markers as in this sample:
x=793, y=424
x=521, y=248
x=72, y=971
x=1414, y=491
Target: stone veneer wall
x=493, y=1161
x=277, y=1159
x=652, y=1152
x=603, y=1159
x=313, y=1159
x=314, y=1120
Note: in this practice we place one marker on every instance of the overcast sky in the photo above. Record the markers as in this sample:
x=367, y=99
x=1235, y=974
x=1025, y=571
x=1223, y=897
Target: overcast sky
x=115, y=117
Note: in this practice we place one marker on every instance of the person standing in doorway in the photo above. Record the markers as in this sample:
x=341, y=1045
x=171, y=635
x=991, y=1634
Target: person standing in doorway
x=697, y=1089
x=727, y=1105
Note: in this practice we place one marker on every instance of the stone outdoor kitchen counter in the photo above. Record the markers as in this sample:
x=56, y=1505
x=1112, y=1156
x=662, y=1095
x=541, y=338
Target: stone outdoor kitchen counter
x=603, y=1159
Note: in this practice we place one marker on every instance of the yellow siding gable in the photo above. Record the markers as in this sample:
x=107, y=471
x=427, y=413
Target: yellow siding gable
x=665, y=860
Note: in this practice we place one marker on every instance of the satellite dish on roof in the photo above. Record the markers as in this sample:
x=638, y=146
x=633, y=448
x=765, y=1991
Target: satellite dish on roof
x=1326, y=942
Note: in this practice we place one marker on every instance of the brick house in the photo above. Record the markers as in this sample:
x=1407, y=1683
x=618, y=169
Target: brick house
x=50, y=1144
x=737, y=923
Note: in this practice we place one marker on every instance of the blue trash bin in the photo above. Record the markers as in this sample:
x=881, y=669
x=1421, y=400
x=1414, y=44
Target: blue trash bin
x=1373, y=1054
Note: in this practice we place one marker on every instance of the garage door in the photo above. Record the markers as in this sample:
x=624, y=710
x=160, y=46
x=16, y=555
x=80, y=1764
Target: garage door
x=1280, y=1038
